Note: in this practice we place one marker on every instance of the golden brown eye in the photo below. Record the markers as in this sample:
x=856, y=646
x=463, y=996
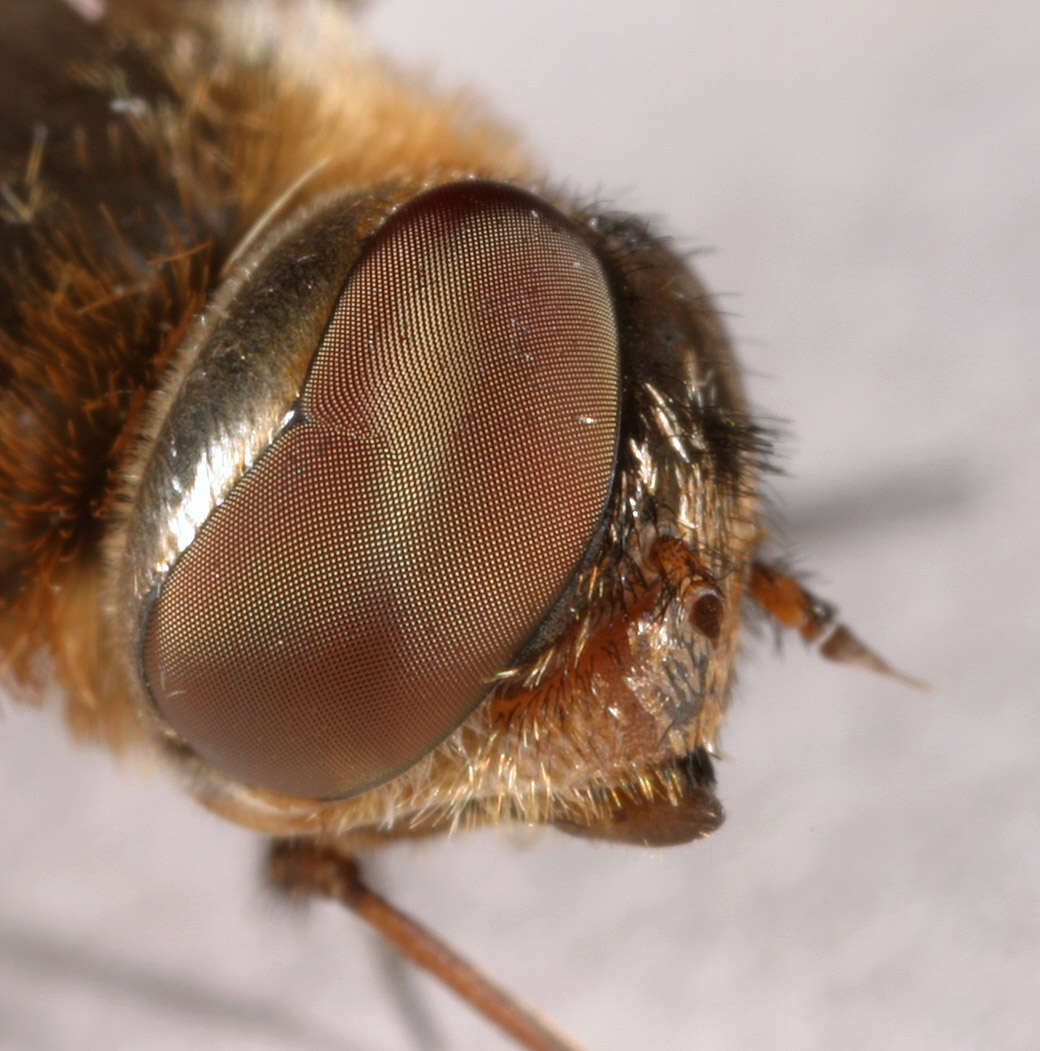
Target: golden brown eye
x=446, y=468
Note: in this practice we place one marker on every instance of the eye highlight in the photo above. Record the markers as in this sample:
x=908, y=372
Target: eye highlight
x=448, y=465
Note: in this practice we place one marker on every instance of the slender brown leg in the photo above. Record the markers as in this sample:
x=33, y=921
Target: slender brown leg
x=302, y=867
x=792, y=606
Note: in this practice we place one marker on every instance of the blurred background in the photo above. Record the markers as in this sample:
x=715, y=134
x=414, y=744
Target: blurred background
x=865, y=176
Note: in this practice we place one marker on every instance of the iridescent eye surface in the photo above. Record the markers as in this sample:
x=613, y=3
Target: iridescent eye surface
x=449, y=462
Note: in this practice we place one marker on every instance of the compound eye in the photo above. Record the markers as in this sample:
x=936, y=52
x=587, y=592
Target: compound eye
x=353, y=597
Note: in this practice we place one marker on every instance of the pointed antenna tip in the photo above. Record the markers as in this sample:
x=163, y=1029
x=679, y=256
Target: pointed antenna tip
x=843, y=646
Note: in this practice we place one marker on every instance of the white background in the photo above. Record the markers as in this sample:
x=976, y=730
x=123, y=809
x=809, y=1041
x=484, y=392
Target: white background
x=866, y=174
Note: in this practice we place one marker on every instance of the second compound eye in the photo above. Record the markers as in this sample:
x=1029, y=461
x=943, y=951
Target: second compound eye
x=352, y=598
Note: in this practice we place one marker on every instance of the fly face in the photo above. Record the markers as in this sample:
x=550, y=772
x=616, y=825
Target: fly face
x=376, y=485
x=513, y=485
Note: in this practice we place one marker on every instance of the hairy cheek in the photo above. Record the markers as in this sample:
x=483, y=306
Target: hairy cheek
x=586, y=717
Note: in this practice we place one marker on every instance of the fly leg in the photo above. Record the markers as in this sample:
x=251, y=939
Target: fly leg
x=302, y=867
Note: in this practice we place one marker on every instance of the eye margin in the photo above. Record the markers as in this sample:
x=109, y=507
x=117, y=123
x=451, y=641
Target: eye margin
x=673, y=347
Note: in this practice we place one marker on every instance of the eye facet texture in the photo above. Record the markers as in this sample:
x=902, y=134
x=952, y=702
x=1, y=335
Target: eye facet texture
x=350, y=601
